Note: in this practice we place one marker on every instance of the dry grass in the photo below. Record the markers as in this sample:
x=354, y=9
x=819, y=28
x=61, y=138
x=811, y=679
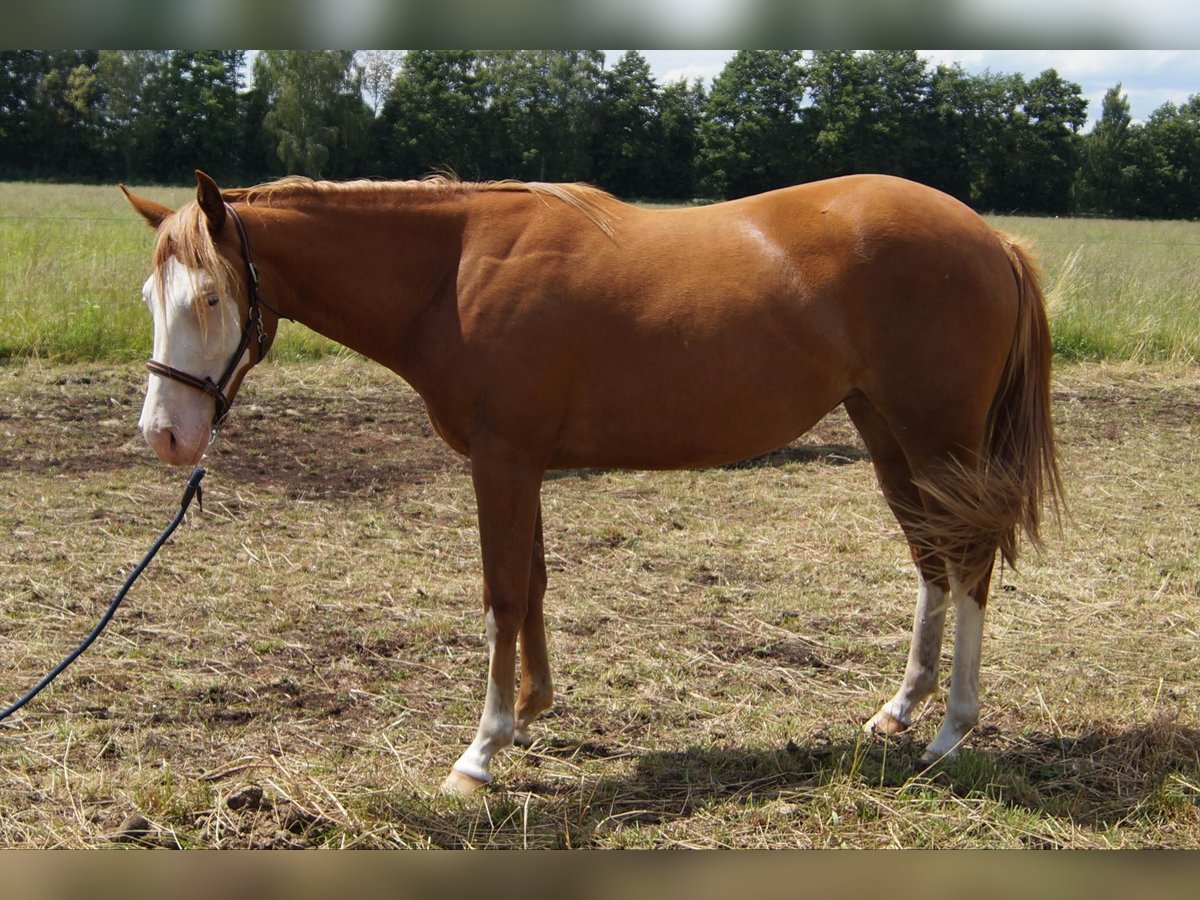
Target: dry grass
x=306, y=658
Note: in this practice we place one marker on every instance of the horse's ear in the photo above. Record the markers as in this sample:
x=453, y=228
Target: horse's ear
x=152, y=212
x=208, y=195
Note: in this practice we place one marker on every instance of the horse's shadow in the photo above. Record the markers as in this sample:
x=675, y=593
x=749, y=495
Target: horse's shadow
x=826, y=454
x=1097, y=780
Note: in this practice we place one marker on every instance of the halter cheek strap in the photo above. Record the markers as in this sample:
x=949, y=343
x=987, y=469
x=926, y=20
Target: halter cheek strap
x=253, y=328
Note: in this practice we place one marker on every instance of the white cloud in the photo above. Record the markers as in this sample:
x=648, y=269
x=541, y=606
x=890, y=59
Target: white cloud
x=672, y=65
x=1149, y=77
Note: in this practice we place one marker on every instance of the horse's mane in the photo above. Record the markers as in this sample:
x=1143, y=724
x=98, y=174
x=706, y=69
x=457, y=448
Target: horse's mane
x=584, y=198
x=185, y=234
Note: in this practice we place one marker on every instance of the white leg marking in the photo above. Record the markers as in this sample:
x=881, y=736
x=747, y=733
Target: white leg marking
x=921, y=673
x=495, y=725
x=962, y=709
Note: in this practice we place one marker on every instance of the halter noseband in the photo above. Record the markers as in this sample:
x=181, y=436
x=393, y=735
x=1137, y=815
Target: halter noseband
x=252, y=328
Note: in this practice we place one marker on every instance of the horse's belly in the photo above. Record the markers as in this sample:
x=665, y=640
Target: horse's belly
x=700, y=422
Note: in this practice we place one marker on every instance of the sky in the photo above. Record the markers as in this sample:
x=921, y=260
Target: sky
x=1150, y=78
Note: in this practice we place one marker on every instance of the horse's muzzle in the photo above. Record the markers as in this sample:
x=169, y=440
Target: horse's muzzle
x=172, y=448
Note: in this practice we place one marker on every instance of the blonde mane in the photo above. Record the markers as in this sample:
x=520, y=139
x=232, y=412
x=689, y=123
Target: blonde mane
x=584, y=198
x=185, y=234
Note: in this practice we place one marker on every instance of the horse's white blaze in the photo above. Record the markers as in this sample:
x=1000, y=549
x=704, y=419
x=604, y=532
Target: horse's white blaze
x=962, y=709
x=180, y=341
x=496, y=725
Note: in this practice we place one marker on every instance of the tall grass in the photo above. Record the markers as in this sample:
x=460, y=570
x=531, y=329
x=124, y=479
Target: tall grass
x=1118, y=289
x=73, y=258
x=72, y=262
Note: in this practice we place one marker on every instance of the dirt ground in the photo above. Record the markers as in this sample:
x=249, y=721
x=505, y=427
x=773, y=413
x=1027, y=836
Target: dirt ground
x=306, y=657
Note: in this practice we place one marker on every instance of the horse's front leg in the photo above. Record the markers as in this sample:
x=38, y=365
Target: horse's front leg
x=537, y=689
x=506, y=492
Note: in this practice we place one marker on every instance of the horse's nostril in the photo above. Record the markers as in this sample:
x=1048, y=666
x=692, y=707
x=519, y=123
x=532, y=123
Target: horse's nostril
x=165, y=443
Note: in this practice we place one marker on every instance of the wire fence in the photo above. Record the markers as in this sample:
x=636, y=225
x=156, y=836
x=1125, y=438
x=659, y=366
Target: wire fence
x=123, y=219
x=80, y=301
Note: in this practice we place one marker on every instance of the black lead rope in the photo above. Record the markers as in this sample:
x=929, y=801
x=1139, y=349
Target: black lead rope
x=192, y=490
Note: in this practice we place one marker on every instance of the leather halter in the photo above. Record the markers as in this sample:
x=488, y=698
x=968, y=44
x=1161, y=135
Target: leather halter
x=252, y=329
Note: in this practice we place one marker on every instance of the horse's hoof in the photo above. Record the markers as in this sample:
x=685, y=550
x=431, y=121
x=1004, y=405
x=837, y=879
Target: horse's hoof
x=943, y=747
x=522, y=739
x=459, y=784
x=932, y=757
x=885, y=723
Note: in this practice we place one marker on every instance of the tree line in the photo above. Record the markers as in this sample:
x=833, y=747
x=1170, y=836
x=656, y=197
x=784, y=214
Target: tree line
x=1000, y=142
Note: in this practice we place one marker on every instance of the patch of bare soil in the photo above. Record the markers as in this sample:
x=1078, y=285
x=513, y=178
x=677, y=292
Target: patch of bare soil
x=311, y=443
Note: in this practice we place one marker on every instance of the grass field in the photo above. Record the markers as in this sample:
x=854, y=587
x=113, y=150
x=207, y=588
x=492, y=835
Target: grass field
x=306, y=658
x=1119, y=289
x=75, y=257
x=71, y=272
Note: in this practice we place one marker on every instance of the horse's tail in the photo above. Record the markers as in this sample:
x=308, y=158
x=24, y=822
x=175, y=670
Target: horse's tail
x=986, y=506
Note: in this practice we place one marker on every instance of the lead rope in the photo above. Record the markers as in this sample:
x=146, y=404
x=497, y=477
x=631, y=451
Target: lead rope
x=192, y=490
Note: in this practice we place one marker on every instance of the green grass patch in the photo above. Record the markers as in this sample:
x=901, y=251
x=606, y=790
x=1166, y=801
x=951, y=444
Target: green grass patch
x=75, y=257
x=74, y=260
x=1118, y=290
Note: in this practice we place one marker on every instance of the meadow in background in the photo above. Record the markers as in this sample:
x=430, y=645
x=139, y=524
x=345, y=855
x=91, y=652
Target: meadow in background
x=75, y=258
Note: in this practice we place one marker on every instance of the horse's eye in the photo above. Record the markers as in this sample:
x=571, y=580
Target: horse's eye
x=213, y=299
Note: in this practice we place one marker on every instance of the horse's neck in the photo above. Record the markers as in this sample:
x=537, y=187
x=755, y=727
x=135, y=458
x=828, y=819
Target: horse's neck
x=364, y=278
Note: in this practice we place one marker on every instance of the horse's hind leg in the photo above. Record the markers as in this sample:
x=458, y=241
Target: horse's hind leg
x=934, y=535
x=929, y=619
x=962, y=709
x=537, y=690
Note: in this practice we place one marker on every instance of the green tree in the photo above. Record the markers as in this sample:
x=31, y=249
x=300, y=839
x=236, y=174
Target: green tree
x=47, y=115
x=869, y=112
x=379, y=69
x=541, y=112
x=20, y=72
x=1029, y=160
x=431, y=117
x=1057, y=111
x=1167, y=148
x=680, y=111
x=1108, y=167
x=750, y=138
x=999, y=120
x=200, y=113
x=317, y=116
x=1033, y=157
x=130, y=109
x=630, y=135
x=258, y=159
x=955, y=131
x=576, y=88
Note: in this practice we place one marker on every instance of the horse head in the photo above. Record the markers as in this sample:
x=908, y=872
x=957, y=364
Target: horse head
x=208, y=326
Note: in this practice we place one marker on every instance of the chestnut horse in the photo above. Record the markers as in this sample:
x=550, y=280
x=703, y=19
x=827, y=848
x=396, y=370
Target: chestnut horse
x=554, y=327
